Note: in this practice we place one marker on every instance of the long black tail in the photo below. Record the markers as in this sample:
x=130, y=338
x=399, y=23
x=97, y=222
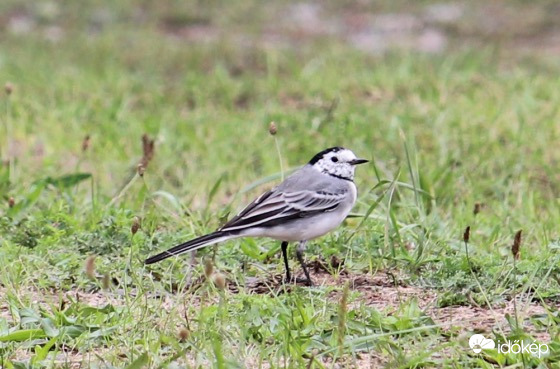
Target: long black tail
x=192, y=245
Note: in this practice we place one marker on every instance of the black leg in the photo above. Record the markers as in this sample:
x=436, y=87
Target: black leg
x=299, y=254
x=285, y=256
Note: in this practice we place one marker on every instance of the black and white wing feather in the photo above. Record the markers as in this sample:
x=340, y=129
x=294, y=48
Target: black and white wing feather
x=275, y=207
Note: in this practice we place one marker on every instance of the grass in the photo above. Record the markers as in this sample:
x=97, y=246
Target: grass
x=470, y=128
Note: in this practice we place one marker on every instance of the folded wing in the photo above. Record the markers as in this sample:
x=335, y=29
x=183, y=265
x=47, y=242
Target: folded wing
x=274, y=207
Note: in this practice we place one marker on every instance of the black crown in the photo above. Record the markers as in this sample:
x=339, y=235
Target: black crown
x=320, y=155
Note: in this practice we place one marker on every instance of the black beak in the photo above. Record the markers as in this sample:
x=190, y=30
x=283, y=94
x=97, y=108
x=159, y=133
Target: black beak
x=358, y=161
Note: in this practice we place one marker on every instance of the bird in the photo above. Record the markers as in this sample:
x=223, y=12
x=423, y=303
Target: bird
x=308, y=204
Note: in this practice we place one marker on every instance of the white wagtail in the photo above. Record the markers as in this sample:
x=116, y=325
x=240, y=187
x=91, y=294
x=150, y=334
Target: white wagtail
x=311, y=202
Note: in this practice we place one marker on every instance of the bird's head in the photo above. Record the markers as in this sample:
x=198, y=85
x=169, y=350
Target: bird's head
x=337, y=162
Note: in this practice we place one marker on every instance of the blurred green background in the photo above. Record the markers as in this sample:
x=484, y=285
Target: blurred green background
x=456, y=103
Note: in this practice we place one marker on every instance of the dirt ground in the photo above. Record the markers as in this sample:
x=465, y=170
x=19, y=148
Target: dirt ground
x=378, y=291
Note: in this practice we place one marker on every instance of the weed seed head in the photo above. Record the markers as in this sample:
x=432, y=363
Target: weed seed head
x=272, y=129
x=467, y=234
x=477, y=208
x=90, y=267
x=135, y=225
x=141, y=169
x=9, y=88
x=208, y=268
x=105, y=281
x=85, y=143
x=147, y=148
x=147, y=154
x=183, y=334
x=220, y=281
x=516, y=245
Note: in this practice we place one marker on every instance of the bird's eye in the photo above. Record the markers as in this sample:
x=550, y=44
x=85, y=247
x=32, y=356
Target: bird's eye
x=334, y=159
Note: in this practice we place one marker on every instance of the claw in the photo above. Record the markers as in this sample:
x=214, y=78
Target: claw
x=298, y=280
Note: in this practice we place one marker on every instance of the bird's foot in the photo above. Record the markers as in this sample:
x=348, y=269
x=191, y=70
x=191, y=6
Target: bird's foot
x=298, y=280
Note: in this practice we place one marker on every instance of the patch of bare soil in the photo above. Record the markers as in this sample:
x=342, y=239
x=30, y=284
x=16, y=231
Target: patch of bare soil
x=385, y=292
